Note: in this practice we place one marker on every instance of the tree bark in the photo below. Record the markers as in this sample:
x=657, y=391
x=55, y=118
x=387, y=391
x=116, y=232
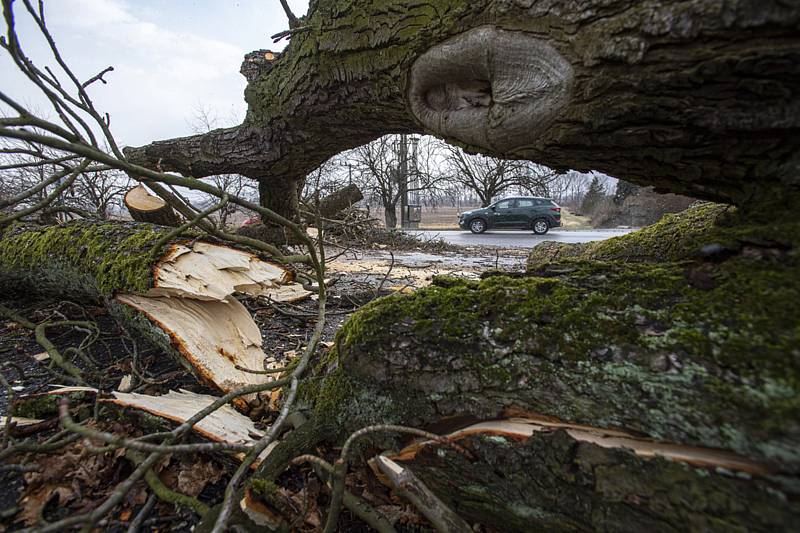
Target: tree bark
x=175, y=293
x=694, y=97
x=553, y=482
x=390, y=216
x=336, y=202
x=690, y=350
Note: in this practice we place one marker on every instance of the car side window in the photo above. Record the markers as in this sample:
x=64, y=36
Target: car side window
x=525, y=203
x=505, y=204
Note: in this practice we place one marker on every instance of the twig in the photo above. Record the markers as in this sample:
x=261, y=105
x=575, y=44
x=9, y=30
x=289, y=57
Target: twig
x=53, y=352
x=359, y=507
x=137, y=521
x=98, y=77
x=289, y=33
x=9, y=402
x=191, y=223
x=386, y=276
x=163, y=492
x=293, y=20
x=414, y=490
x=267, y=371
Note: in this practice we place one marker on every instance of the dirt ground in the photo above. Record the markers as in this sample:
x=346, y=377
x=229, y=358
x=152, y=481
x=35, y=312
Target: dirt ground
x=74, y=479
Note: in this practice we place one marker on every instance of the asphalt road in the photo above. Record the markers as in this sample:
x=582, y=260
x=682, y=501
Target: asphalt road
x=519, y=239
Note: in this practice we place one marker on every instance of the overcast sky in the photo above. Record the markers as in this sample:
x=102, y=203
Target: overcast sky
x=170, y=57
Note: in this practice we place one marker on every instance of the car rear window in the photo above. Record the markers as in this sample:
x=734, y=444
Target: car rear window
x=525, y=203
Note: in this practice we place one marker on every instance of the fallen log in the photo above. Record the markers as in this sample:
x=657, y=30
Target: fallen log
x=691, y=356
x=146, y=207
x=177, y=294
x=336, y=202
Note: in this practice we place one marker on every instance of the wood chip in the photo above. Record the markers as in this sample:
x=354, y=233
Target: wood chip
x=223, y=425
x=44, y=356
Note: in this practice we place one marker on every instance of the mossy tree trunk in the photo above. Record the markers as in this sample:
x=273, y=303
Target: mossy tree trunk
x=694, y=97
x=551, y=482
x=685, y=334
x=161, y=287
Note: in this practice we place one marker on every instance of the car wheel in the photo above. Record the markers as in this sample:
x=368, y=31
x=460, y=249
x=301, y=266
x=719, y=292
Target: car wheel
x=477, y=226
x=540, y=226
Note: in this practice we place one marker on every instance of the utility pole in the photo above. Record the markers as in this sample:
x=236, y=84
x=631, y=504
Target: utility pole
x=402, y=179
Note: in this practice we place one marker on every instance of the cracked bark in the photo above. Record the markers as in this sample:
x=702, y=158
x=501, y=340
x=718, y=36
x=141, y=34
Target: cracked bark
x=692, y=97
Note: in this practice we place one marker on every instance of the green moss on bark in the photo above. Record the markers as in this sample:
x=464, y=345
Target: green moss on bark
x=704, y=230
x=700, y=352
x=96, y=259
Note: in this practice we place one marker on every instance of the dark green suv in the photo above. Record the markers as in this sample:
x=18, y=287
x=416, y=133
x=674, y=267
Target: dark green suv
x=523, y=212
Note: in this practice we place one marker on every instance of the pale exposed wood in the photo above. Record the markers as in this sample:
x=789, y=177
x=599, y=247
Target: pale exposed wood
x=223, y=425
x=19, y=421
x=67, y=390
x=259, y=513
x=191, y=301
x=141, y=200
x=213, y=336
x=522, y=428
x=146, y=207
x=207, y=271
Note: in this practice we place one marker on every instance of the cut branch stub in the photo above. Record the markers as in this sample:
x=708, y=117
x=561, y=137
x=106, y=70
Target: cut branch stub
x=145, y=207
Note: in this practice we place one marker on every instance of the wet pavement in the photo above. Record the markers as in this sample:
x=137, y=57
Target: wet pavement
x=518, y=239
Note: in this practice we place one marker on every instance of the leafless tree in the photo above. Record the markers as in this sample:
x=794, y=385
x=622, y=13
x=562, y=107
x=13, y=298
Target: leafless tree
x=378, y=170
x=99, y=192
x=489, y=177
x=27, y=166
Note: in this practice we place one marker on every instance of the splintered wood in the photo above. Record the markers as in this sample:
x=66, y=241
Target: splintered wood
x=223, y=425
x=523, y=428
x=191, y=301
x=214, y=337
x=205, y=271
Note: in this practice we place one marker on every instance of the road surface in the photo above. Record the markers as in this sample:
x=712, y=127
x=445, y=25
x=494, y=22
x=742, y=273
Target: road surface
x=518, y=239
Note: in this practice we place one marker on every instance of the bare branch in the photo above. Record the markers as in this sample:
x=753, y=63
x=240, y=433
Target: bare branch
x=293, y=20
x=98, y=77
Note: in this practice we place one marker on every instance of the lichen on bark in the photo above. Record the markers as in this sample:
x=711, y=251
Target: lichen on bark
x=689, y=351
x=685, y=332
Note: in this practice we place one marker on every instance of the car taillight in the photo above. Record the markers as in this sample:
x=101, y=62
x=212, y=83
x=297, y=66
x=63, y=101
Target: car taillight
x=556, y=209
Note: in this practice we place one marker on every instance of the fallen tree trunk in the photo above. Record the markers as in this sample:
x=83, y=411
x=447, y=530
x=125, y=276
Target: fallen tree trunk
x=555, y=481
x=145, y=207
x=686, y=359
x=695, y=97
x=338, y=201
x=177, y=294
